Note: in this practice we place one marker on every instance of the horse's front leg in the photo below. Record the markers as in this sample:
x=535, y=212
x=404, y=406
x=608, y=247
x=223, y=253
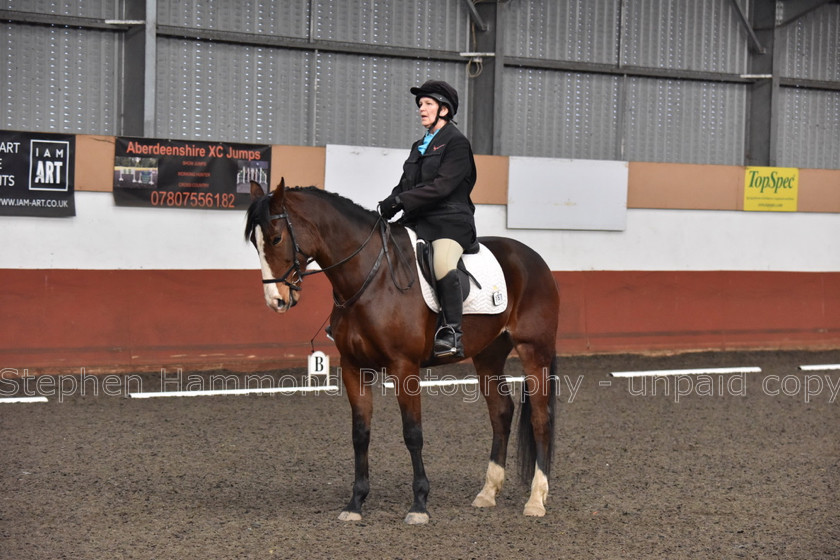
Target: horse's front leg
x=407, y=384
x=361, y=405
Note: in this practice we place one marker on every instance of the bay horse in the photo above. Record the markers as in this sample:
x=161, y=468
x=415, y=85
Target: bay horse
x=380, y=322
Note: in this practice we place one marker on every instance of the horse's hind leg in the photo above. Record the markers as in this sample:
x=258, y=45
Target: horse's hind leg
x=536, y=424
x=489, y=365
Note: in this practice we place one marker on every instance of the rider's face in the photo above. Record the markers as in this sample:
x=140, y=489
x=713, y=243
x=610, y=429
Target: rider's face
x=428, y=110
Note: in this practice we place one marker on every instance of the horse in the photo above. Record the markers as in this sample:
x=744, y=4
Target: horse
x=380, y=322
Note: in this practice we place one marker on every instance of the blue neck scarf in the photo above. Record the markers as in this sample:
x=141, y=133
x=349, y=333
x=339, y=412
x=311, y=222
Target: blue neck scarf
x=427, y=139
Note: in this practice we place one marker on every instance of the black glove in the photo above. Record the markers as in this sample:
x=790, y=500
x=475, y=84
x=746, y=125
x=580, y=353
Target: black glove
x=390, y=206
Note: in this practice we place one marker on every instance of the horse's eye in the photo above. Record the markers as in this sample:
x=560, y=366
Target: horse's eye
x=276, y=240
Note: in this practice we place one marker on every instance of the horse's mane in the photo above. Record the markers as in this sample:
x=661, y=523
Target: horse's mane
x=343, y=204
x=259, y=210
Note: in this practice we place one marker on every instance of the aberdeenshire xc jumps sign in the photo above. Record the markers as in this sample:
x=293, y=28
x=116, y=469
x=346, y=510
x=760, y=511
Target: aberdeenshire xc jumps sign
x=187, y=174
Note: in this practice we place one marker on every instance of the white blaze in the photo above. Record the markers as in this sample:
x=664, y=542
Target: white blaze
x=272, y=294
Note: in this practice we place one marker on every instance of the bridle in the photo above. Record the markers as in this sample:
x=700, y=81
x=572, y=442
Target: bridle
x=295, y=268
x=298, y=271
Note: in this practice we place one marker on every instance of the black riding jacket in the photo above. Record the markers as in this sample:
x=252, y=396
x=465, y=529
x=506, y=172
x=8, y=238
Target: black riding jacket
x=435, y=188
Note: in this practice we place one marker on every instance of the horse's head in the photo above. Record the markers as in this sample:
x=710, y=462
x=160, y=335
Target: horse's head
x=269, y=229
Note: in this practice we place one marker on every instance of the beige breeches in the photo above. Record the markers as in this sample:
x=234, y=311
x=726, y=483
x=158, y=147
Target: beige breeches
x=447, y=253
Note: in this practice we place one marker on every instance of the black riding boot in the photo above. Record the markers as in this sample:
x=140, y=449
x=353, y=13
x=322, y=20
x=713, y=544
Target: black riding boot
x=448, y=335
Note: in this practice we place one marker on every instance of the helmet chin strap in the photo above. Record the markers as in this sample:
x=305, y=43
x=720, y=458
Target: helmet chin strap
x=437, y=119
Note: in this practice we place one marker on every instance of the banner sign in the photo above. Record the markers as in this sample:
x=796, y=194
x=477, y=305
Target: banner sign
x=187, y=174
x=771, y=189
x=36, y=174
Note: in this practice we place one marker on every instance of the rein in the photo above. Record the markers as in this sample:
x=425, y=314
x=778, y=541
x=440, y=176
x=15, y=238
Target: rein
x=300, y=273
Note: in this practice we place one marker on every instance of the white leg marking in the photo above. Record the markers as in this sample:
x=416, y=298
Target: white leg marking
x=492, y=485
x=417, y=518
x=272, y=294
x=539, y=492
x=349, y=516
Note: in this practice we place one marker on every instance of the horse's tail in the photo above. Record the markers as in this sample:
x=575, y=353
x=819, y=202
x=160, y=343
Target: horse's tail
x=527, y=447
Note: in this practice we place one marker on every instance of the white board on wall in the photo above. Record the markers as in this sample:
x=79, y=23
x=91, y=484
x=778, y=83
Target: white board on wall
x=580, y=194
x=364, y=175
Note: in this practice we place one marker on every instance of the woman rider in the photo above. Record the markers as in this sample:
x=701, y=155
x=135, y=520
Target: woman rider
x=434, y=194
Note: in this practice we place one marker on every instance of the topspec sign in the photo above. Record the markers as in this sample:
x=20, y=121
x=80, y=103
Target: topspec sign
x=773, y=189
x=36, y=174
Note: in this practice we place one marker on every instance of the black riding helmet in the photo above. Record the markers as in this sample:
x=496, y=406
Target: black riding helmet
x=441, y=92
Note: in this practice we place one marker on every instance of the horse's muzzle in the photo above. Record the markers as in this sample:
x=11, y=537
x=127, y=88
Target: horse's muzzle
x=281, y=305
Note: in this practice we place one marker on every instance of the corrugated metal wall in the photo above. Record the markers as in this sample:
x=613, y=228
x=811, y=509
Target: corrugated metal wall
x=809, y=46
x=263, y=17
x=243, y=93
x=579, y=30
x=809, y=119
x=420, y=24
x=211, y=91
x=560, y=114
x=700, y=35
x=684, y=121
x=80, y=8
x=586, y=115
x=588, y=100
x=365, y=100
x=58, y=78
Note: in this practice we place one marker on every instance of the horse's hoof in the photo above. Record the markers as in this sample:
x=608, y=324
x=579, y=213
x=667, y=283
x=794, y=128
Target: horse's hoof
x=482, y=501
x=414, y=518
x=534, y=510
x=349, y=516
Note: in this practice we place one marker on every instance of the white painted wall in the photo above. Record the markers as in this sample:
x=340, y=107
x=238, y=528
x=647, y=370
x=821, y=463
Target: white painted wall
x=105, y=236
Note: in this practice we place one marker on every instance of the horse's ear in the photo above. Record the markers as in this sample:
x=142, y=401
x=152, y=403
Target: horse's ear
x=278, y=194
x=256, y=191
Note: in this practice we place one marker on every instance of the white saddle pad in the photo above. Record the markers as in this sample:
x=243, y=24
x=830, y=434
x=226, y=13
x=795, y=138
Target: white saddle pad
x=490, y=299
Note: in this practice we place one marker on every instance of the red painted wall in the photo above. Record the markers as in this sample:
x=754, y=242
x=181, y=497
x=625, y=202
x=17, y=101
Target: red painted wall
x=123, y=320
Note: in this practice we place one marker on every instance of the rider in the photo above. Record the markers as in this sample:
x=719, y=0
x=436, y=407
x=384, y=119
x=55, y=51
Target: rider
x=434, y=193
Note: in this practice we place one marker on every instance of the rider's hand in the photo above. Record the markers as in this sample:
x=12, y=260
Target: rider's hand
x=390, y=206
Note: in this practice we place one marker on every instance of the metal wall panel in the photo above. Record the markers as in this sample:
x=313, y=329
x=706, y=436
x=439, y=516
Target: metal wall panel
x=698, y=35
x=364, y=101
x=68, y=80
x=438, y=25
x=559, y=114
x=685, y=121
x=809, y=47
x=289, y=18
x=104, y=9
x=59, y=79
x=210, y=91
x=809, y=128
x=809, y=119
x=578, y=30
x=217, y=91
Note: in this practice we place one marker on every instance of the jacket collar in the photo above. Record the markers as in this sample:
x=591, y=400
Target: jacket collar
x=440, y=139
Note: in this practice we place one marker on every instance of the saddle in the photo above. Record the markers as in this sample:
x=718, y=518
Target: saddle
x=483, y=284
